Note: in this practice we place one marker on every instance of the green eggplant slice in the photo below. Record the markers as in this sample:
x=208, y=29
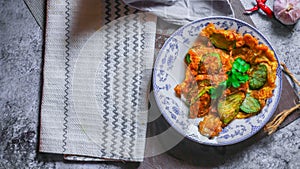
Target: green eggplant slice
x=229, y=107
x=258, y=77
x=250, y=105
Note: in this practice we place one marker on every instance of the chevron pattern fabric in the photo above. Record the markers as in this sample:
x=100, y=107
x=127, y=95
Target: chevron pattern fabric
x=96, y=79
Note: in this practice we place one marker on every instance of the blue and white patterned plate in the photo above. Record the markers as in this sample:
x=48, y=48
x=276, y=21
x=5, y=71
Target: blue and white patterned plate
x=169, y=70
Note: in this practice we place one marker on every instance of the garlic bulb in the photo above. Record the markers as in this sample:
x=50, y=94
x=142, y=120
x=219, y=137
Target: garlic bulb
x=287, y=11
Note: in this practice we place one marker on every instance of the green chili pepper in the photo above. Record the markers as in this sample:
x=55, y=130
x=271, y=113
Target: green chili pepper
x=201, y=92
x=188, y=58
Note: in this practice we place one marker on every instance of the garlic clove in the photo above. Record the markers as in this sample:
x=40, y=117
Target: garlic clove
x=287, y=11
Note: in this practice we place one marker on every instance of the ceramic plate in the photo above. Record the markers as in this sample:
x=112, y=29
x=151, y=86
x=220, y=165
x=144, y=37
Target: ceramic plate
x=169, y=70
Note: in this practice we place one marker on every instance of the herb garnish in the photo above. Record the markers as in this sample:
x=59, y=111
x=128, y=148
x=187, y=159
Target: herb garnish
x=236, y=76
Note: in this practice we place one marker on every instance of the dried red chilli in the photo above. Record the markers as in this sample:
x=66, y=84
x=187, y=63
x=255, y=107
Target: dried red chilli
x=265, y=8
x=255, y=8
x=261, y=4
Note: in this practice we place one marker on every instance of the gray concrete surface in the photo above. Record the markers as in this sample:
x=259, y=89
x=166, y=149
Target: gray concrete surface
x=21, y=42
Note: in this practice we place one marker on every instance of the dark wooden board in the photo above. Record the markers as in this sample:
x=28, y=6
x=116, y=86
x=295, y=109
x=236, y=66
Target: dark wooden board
x=239, y=11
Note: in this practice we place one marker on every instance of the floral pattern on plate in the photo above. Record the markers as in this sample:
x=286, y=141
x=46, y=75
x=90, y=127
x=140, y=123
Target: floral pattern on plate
x=169, y=71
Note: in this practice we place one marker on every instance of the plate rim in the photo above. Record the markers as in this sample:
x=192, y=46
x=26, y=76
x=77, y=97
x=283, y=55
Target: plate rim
x=278, y=75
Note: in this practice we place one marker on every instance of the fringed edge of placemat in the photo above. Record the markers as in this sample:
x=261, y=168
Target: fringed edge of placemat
x=273, y=125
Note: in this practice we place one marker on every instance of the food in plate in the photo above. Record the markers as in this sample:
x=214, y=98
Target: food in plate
x=228, y=76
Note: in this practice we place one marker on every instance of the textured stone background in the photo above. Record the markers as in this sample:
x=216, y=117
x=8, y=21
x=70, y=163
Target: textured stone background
x=20, y=89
